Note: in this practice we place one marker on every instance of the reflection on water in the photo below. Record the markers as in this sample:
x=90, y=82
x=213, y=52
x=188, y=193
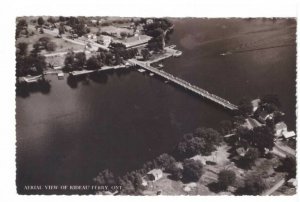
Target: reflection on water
x=24, y=89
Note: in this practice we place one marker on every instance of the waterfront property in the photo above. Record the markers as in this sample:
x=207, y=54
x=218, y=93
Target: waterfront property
x=135, y=41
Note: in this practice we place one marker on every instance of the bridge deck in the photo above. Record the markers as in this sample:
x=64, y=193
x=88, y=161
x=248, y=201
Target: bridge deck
x=186, y=85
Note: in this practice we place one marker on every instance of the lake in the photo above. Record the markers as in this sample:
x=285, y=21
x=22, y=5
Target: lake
x=124, y=118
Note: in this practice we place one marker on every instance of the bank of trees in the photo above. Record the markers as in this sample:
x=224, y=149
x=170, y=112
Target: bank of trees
x=226, y=178
x=21, y=27
x=203, y=141
x=44, y=43
x=116, y=56
x=28, y=63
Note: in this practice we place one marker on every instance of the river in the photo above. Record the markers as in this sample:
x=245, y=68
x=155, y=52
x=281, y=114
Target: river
x=124, y=118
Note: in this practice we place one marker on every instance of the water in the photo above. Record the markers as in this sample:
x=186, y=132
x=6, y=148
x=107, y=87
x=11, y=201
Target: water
x=122, y=119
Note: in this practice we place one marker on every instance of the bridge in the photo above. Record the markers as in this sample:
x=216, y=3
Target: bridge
x=185, y=84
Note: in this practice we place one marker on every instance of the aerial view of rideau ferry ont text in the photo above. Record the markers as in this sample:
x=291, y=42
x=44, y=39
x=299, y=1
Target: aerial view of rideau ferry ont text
x=155, y=106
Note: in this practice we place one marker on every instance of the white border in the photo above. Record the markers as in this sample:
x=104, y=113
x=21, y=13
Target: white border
x=159, y=8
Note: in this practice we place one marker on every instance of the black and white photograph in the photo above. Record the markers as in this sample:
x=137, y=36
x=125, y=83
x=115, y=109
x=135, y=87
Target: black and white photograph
x=151, y=100
x=155, y=106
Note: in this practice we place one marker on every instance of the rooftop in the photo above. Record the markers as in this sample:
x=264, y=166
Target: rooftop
x=135, y=40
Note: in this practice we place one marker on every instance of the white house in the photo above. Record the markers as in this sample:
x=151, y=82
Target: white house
x=104, y=40
x=280, y=128
x=155, y=174
x=288, y=134
x=255, y=104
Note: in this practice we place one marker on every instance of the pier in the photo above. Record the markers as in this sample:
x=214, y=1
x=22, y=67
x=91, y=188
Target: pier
x=185, y=84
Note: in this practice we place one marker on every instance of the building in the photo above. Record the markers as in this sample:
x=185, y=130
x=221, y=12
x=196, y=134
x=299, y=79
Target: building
x=155, y=174
x=292, y=182
x=288, y=134
x=251, y=123
x=104, y=40
x=255, y=104
x=280, y=128
x=241, y=151
x=149, y=21
x=135, y=41
x=264, y=116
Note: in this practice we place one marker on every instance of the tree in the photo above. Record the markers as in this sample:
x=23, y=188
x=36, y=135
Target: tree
x=40, y=63
x=62, y=18
x=145, y=53
x=245, y=107
x=21, y=25
x=263, y=138
x=226, y=178
x=61, y=29
x=289, y=165
x=250, y=157
x=212, y=136
x=226, y=127
x=238, y=120
x=209, y=139
x=105, y=177
x=271, y=99
x=254, y=185
x=40, y=21
x=165, y=161
x=245, y=136
x=69, y=60
x=79, y=60
x=192, y=170
x=93, y=63
x=51, y=20
x=175, y=171
x=51, y=46
x=123, y=35
x=127, y=186
x=22, y=48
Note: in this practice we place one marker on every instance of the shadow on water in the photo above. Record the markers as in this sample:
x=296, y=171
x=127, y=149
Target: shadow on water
x=24, y=89
x=121, y=72
x=97, y=77
x=73, y=81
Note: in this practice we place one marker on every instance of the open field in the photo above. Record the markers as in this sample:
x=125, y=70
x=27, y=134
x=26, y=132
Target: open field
x=62, y=45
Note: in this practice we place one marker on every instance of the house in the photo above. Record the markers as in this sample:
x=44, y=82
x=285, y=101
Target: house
x=104, y=40
x=149, y=21
x=241, y=151
x=288, y=134
x=280, y=128
x=255, y=104
x=135, y=41
x=251, y=123
x=264, y=116
x=292, y=182
x=91, y=36
x=68, y=28
x=94, y=21
x=155, y=174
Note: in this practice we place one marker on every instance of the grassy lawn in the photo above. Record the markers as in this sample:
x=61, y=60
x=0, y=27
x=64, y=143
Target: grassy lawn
x=62, y=45
x=205, y=186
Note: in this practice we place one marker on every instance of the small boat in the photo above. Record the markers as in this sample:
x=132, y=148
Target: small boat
x=160, y=65
x=226, y=53
x=60, y=75
x=141, y=70
x=32, y=79
x=177, y=53
x=151, y=74
x=166, y=81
